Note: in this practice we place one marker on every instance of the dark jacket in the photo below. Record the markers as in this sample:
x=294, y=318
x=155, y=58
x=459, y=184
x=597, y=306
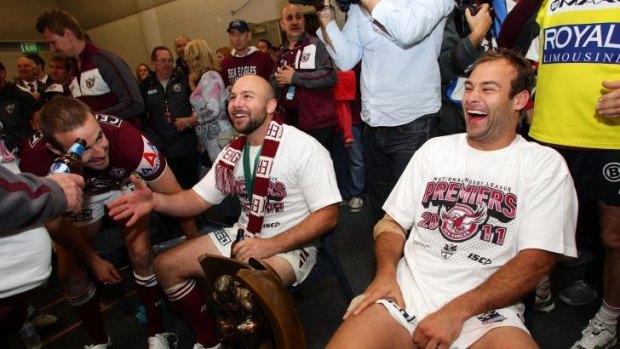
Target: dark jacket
x=16, y=108
x=313, y=81
x=158, y=130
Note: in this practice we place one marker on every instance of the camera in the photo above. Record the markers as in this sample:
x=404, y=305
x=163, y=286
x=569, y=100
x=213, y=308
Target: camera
x=319, y=4
x=459, y=13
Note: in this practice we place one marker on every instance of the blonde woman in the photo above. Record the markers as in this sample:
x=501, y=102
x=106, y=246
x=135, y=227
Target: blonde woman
x=208, y=99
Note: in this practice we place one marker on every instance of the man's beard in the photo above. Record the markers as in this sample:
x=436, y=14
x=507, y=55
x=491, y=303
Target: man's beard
x=252, y=125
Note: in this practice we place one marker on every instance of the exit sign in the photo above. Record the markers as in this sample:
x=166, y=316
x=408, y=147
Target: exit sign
x=30, y=48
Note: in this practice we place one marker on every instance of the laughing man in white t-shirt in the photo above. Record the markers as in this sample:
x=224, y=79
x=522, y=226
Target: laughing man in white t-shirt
x=488, y=214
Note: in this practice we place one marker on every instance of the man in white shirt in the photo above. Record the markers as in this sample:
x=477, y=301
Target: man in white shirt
x=489, y=213
x=398, y=43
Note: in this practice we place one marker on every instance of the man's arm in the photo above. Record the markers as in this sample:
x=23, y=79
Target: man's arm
x=167, y=184
x=38, y=199
x=142, y=201
x=122, y=83
x=457, y=53
x=344, y=46
x=308, y=230
x=507, y=286
x=408, y=22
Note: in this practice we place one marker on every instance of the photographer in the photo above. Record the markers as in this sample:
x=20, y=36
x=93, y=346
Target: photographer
x=398, y=43
x=474, y=27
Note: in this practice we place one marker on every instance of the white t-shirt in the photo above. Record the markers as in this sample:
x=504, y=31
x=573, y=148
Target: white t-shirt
x=25, y=257
x=471, y=211
x=302, y=181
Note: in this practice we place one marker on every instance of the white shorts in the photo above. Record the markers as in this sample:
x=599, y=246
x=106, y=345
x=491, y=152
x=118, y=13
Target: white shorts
x=473, y=328
x=301, y=260
x=93, y=207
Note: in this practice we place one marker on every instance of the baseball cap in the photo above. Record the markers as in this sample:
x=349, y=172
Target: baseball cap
x=239, y=25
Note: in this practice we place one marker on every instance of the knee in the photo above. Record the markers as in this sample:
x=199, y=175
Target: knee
x=163, y=266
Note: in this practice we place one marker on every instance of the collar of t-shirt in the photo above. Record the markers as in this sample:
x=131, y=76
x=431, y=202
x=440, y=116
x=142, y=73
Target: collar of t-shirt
x=251, y=50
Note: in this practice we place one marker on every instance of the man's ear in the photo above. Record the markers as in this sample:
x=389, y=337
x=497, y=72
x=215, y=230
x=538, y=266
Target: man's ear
x=271, y=105
x=519, y=101
x=53, y=149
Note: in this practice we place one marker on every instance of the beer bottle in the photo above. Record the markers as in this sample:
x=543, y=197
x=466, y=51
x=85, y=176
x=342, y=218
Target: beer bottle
x=71, y=161
x=240, y=236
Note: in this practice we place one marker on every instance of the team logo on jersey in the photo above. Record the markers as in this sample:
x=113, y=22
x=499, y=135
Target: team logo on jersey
x=461, y=222
x=305, y=57
x=90, y=82
x=35, y=138
x=448, y=251
x=176, y=88
x=109, y=120
x=611, y=172
x=491, y=317
x=9, y=108
x=117, y=172
x=151, y=92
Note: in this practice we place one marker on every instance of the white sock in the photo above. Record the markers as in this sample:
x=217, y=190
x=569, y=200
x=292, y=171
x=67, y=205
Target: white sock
x=608, y=316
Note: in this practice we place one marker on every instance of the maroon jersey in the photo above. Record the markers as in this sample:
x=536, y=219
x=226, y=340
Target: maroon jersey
x=129, y=151
x=254, y=63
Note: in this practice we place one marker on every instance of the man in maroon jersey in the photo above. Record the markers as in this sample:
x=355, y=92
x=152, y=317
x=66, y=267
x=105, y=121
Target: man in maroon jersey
x=98, y=78
x=245, y=59
x=114, y=149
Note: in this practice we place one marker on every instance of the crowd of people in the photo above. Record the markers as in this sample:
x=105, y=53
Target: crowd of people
x=459, y=122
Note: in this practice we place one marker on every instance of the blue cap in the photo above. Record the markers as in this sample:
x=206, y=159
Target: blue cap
x=239, y=25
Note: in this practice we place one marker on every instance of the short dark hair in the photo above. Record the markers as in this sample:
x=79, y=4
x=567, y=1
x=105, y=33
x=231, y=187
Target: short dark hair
x=525, y=79
x=61, y=59
x=159, y=48
x=269, y=46
x=2, y=68
x=62, y=114
x=37, y=60
x=57, y=21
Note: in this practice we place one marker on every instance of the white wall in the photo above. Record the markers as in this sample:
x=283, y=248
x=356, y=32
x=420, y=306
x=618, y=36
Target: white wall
x=133, y=37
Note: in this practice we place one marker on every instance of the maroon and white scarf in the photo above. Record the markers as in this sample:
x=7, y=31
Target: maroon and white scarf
x=225, y=180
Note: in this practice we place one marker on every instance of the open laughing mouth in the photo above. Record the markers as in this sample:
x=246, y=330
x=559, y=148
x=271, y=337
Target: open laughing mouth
x=476, y=115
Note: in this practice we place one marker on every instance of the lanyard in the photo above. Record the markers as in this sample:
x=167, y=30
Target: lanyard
x=249, y=179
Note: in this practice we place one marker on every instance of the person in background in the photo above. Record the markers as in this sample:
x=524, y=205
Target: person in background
x=245, y=59
x=42, y=77
x=27, y=73
x=265, y=46
x=169, y=115
x=181, y=67
x=16, y=109
x=304, y=80
x=221, y=54
x=59, y=69
x=208, y=98
x=99, y=78
x=142, y=72
x=583, y=125
x=398, y=44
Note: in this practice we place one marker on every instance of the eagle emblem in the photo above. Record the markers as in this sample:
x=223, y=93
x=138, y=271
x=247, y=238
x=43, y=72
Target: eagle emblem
x=461, y=222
